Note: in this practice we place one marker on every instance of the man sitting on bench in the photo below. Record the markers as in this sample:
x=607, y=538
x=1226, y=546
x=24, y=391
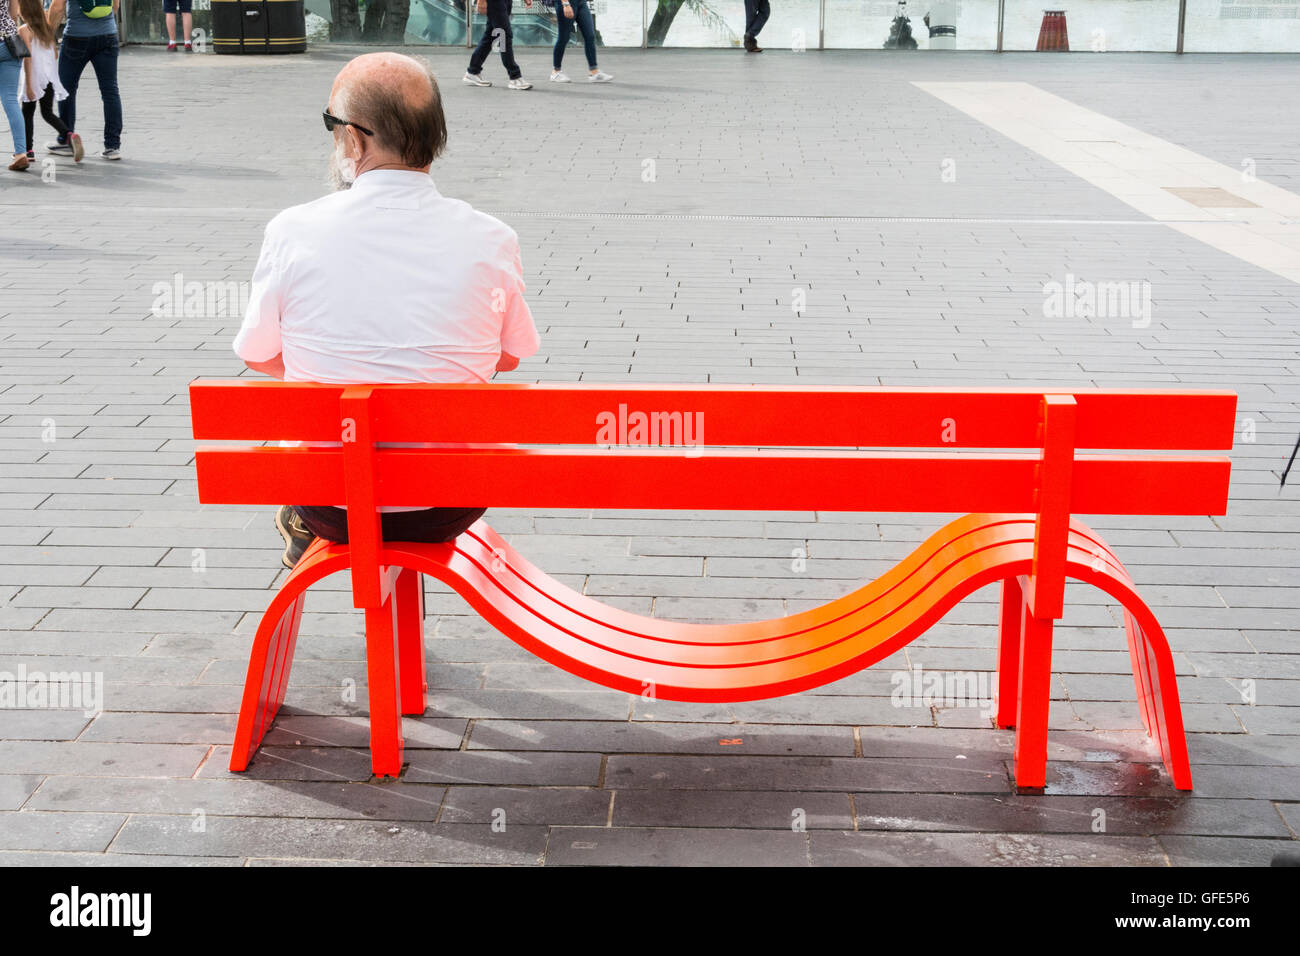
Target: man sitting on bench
x=385, y=279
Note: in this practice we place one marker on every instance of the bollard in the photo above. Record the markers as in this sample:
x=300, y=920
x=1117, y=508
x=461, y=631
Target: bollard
x=1052, y=34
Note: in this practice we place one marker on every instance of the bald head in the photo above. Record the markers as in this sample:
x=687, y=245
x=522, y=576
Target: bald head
x=396, y=98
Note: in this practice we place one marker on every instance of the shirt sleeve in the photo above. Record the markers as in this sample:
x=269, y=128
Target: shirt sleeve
x=518, y=333
x=259, y=336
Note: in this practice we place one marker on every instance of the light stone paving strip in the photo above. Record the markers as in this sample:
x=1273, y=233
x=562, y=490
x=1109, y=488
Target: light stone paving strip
x=1165, y=181
x=763, y=185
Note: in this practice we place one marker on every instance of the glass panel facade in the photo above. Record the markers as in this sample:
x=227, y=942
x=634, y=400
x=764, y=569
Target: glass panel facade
x=143, y=22
x=1092, y=25
x=891, y=25
x=1228, y=26
x=721, y=23
x=1242, y=26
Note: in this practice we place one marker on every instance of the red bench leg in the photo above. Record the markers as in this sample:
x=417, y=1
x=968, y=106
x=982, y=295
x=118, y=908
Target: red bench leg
x=408, y=592
x=1141, y=675
x=382, y=660
x=1157, y=693
x=1009, y=636
x=268, y=676
x=1032, y=703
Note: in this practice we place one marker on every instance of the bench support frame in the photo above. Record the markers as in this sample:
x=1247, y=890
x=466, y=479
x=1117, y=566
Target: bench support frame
x=479, y=559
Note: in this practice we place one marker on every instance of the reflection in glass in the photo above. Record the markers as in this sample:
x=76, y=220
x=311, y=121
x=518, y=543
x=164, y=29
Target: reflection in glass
x=932, y=24
x=721, y=23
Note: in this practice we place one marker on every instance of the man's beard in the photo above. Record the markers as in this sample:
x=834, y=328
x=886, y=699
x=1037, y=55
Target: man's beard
x=342, y=170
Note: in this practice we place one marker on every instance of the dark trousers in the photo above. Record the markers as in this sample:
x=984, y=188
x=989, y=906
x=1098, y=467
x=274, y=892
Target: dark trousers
x=582, y=17
x=756, y=14
x=101, y=53
x=497, y=33
x=47, y=114
x=431, y=524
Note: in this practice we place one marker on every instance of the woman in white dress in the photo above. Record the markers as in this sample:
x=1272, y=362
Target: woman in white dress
x=39, y=81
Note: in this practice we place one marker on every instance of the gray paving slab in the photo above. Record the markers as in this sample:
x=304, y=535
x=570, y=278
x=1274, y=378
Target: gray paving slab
x=631, y=846
x=646, y=737
x=1223, y=851
x=416, y=842
x=34, y=830
x=848, y=848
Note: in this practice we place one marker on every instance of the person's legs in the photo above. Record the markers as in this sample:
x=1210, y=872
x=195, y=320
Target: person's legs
x=562, y=39
x=764, y=10
x=499, y=18
x=48, y=114
x=429, y=525
x=29, y=120
x=188, y=19
x=480, y=54
x=74, y=54
x=104, y=60
x=171, y=28
x=9, y=72
x=582, y=13
x=433, y=524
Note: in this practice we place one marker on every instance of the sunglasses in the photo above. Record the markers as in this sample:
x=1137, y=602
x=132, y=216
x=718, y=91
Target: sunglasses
x=331, y=121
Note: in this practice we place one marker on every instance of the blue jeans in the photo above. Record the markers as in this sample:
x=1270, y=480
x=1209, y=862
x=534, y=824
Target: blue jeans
x=582, y=17
x=101, y=53
x=10, y=69
x=756, y=14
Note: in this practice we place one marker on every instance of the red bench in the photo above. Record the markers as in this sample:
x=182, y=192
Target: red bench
x=1017, y=529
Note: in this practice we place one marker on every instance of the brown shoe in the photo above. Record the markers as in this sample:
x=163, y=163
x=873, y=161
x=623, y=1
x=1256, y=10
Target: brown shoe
x=749, y=43
x=297, y=538
x=20, y=163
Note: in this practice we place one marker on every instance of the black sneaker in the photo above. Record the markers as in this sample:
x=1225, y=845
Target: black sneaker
x=297, y=538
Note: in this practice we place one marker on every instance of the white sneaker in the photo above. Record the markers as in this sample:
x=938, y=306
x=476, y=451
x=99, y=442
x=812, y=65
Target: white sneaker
x=598, y=77
x=473, y=80
x=558, y=77
x=519, y=84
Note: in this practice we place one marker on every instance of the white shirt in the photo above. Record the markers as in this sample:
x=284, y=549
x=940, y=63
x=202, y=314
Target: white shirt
x=388, y=281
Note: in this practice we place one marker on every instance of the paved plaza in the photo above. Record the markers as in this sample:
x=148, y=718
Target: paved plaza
x=670, y=223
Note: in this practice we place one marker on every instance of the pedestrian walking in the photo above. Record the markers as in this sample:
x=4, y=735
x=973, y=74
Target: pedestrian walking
x=90, y=38
x=39, y=83
x=756, y=14
x=496, y=34
x=567, y=13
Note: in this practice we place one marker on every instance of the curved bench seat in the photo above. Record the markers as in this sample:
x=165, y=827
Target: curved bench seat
x=720, y=662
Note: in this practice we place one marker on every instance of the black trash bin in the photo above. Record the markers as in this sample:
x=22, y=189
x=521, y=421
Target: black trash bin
x=259, y=26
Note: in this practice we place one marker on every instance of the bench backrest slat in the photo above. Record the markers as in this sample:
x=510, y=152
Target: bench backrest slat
x=744, y=416
x=847, y=481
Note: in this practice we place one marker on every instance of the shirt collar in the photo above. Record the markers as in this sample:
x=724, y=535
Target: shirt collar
x=393, y=179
